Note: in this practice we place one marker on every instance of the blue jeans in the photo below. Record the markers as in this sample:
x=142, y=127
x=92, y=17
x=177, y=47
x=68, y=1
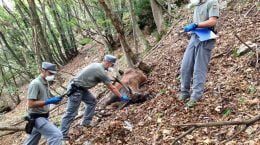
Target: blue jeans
x=195, y=64
x=74, y=101
x=44, y=127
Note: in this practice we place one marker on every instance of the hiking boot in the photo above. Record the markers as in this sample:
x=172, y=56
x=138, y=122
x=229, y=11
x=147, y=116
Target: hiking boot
x=182, y=97
x=191, y=103
x=88, y=125
x=66, y=138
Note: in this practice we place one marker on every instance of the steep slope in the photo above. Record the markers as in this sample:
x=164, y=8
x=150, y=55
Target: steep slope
x=232, y=90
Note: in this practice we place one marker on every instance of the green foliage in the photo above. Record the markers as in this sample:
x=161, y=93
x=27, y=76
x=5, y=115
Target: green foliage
x=163, y=91
x=157, y=35
x=11, y=90
x=234, y=53
x=242, y=99
x=227, y=111
x=144, y=12
x=178, y=78
x=72, y=22
x=258, y=6
x=252, y=89
x=85, y=41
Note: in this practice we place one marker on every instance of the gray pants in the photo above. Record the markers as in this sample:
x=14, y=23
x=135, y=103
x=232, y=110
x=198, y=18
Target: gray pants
x=195, y=63
x=44, y=127
x=74, y=101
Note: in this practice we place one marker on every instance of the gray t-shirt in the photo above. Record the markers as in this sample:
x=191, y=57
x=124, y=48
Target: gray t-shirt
x=38, y=90
x=91, y=75
x=202, y=12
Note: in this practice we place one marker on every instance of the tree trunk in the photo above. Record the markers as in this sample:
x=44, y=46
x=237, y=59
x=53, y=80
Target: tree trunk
x=18, y=61
x=131, y=58
x=158, y=15
x=131, y=8
x=137, y=32
x=11, y=50
x=169, y=8
x=60, y=55
x=8, y=84
x=37, y=28
x=19, y=5
x=99, y=31
x=61, y=30
x=73, y=45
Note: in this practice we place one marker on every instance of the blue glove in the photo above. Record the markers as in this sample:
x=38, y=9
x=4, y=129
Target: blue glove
x=125, y=98
x=53, y=100
x=190, y=27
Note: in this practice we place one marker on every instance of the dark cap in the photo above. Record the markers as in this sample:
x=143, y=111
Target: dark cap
x=49, y=67
x=110, y=58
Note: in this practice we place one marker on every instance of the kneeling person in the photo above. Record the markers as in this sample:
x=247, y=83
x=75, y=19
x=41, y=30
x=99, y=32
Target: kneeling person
x=38, y=108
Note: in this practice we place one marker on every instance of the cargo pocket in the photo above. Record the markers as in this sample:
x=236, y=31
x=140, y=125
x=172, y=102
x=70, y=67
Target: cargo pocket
x=209, y=44
x=76, y=97
x=40, y=122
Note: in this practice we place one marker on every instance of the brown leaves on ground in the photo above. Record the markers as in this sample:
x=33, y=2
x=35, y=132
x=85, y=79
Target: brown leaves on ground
x=231, y=92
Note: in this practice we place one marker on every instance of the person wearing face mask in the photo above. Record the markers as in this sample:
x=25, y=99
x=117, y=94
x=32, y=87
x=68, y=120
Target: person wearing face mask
x=78, y=90
x=38, y=102
x=197, y=54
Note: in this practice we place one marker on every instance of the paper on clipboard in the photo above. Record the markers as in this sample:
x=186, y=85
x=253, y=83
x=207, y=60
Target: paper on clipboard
x=204, y=34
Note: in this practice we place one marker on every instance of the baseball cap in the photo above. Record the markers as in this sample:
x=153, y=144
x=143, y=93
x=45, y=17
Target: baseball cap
x=49, y=67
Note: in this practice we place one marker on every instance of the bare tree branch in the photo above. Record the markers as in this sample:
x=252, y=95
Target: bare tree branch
x=194, y=126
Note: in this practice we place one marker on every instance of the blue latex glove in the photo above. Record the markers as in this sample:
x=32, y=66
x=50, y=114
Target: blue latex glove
x=53, y=100
x=190, y=27
x=125, y=98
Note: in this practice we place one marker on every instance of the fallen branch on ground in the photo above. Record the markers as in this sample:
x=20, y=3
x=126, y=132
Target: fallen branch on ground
x=243, y=42
x=8, y=133
x=10, y=128
x=194, y=126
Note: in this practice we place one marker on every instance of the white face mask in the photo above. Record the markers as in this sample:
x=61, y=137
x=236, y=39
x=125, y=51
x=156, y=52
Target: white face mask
x=50, y=78
x=111, y=69
x=194, y=2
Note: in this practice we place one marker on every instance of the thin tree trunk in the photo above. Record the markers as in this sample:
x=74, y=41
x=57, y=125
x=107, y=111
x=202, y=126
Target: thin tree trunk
x=64, y=40
x=37, y=27
x=26, y=10
x=25, y=20
x=133, y=25
x=7, y=83
x=61, y=56
x=169, y=8
x=73, y=45
x=139, y=34
x=18, y=61
x=158, y=15
x=11, y=50
x=99, y=31
x=37, y=51
x=131, y=59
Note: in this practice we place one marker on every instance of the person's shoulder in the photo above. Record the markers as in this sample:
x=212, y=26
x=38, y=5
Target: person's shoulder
x=94, y=65
x=35, y=82
x=97, y=65
x=212, y=2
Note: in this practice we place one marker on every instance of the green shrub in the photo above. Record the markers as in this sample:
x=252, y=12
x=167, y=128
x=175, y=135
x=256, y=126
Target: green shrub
x=144, y=12
x=85, y=41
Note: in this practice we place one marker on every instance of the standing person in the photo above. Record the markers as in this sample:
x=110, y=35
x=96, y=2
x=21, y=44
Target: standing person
x=38, y=108
x=197, y=54
x=78, y=90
